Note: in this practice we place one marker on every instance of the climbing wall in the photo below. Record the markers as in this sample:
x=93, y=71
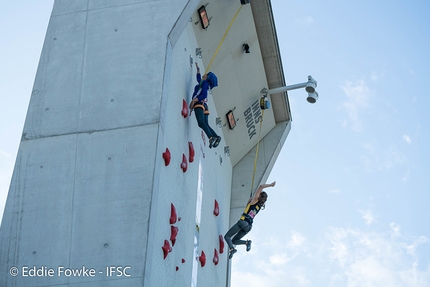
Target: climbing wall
x=190, y=207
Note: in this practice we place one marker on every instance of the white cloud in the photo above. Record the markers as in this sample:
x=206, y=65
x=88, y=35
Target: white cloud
x=334, y=190
x=370, y=271
x=381, y=158
x=407, y=139
x=296, y=240
x=308, y=20
x=243, y=278
x=375, y=76
x=395, y=229
x=4, y=154
x=374, y=259
x=358, y=95
x=368, y=216
x=369, y=146
x=406, y=176
x=345, y=257
x=417, y=241
x=339, y=248
x=279, y=259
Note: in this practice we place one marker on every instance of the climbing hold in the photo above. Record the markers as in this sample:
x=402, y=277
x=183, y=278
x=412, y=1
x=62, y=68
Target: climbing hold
x=216, y=208
x=173, y=233
x=173, y=215
x=202, y=259
x=216, y=257
x=221, y=244
x=191, y=149
x=177, y=268
x=166, y=248
x=184, y=164
x=166, y=156
x=183, y=260
x=184, y=111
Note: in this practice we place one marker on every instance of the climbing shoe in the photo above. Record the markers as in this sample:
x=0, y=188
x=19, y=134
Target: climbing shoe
x=217, y=141
x=248, y=245
x=211, y=141
x=232, y=252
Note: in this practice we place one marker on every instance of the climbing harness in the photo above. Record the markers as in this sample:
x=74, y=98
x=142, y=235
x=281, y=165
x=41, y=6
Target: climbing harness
x=206, y=111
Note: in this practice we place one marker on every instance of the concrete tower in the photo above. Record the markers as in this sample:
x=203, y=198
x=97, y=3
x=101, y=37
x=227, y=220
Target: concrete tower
x=92, y=201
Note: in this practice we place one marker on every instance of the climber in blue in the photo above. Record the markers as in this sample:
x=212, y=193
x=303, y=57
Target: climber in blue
x=198, y=103
x=244, y=225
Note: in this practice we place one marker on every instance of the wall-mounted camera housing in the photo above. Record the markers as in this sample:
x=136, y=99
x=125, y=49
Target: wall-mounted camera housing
x=311, y=85
x=312, y=97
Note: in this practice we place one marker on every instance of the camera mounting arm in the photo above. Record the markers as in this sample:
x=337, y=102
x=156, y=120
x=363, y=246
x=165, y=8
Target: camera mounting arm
x=309, y=86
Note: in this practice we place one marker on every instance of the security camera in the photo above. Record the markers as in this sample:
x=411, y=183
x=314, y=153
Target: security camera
x=312, y=97
x=311, y=85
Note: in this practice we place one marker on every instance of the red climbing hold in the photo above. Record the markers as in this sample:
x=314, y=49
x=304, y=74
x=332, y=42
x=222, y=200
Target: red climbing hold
x=166, y=156
x=191, y=148
x=177, y=268
x=184, y=111
x=166, y=248
x=173, y=215
x=216, y=257
x=183, y=260
x=221, y=244
x=173, y=233
x=184, y=164
x=202, y=259
x=216, y=208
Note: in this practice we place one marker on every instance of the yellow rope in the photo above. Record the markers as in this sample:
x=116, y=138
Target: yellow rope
x=223, y=38
x=262, y=114
x=256, y=153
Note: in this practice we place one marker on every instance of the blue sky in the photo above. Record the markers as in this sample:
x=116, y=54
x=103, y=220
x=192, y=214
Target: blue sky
x=352, y=202
x=23, y=28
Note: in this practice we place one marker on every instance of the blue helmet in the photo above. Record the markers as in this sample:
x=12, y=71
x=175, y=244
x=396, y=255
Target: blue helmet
x=212, y=79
